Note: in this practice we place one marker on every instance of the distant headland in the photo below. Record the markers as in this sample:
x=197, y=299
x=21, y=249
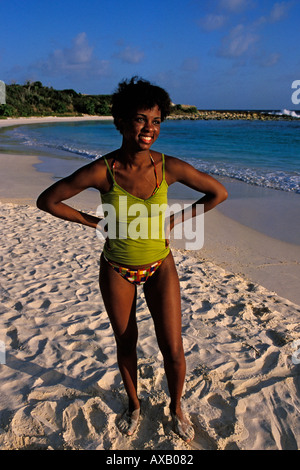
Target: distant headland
x=35, y=100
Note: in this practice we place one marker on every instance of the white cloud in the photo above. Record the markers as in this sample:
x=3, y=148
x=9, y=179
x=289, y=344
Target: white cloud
x=270, y=60
x=279, y=11
x=235, y=6
x=245, y=39
x=77, y=59
x=80, y=52
x=212, y=22
x=238, y=42
x=131, y=55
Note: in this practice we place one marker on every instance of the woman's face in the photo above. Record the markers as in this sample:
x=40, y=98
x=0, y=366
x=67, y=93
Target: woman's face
x=143, y=128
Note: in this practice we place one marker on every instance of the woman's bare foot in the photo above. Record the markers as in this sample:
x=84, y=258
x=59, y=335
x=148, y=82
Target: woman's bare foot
x=183, y=427
x=129, y=422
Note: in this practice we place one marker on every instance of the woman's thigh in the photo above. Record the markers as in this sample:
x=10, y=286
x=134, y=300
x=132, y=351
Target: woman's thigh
x=119, y=297
x=162, y=293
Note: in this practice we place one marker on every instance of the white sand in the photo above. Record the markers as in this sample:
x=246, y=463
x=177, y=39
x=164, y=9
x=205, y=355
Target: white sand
x=60, y=385
x=44, y=120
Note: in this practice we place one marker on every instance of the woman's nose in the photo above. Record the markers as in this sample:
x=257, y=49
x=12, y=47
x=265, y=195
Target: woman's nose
x=148, y=126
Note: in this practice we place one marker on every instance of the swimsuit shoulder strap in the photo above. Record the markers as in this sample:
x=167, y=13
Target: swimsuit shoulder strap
x=155, y=171
x=163, y=166
x=109, y=170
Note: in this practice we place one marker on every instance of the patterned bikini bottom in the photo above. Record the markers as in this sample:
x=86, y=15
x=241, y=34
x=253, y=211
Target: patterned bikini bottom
x=135, y=276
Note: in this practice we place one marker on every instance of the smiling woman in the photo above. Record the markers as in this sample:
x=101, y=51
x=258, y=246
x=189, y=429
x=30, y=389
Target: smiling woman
x=133, y=174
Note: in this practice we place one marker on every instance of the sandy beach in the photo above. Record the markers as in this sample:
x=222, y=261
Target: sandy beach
x=60, y=384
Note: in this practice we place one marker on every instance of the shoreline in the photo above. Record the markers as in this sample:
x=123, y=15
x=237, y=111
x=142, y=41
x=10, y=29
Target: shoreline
x=201, y=114
x=9, y=122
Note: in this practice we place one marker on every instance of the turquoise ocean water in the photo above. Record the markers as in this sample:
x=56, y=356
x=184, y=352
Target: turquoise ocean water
x=262, y=153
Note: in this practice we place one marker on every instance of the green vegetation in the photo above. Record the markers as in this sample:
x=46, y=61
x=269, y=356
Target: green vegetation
x=34, y=99
x=181, y=109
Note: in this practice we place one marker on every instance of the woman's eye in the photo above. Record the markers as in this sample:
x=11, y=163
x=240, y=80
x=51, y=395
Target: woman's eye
x=143, y=120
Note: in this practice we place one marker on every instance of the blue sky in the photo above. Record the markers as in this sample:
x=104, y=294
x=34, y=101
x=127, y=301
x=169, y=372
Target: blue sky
x=217, y=54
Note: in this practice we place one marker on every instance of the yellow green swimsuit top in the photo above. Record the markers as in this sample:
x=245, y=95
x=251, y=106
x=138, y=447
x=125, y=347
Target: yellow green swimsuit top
x=135, y=226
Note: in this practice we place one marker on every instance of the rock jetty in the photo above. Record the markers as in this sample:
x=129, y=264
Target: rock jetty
x=232, y=115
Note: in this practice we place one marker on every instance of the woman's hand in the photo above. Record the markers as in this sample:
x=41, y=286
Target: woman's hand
x=169, y=225
x=102, y=232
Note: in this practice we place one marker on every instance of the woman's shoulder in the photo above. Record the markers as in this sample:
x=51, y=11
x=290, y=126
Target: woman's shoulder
x=95, y=172
x=160, y=156
x=174, y=163
x=109, y=157
x=176, y=168
x=100, y=164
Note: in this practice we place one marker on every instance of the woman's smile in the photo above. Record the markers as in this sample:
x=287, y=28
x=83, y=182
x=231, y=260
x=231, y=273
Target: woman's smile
x=146, y=139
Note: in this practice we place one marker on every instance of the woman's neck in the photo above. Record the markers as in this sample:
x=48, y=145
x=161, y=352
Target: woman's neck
x=132, y=157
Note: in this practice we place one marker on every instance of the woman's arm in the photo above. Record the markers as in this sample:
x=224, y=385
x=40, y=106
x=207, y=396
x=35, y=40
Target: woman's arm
x=51, y=199
x=182, y=172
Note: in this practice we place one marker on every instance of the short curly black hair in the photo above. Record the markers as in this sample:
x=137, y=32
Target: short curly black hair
x=135, y=94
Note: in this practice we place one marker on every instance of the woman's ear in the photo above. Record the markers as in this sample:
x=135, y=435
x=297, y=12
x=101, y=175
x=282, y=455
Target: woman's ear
x=119, y=123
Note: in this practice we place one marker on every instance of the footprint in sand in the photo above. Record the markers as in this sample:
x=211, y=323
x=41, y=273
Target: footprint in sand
x=12, y=333
x=82, y=422
x=224, y=425
x=205, y=307
x=82, y=293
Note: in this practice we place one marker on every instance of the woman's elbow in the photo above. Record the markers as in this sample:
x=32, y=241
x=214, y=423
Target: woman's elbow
x=223, y=195
x=219, y=195
x=42, y=203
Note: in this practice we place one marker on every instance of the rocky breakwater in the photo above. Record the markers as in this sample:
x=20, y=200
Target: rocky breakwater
x=232, y=115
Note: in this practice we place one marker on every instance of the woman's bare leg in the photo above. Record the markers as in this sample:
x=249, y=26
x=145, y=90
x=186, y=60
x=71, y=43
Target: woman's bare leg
x=162, y=293
x=119, y=298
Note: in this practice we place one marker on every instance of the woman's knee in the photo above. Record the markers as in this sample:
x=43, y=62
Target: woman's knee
x=173, y=353
x=126, y=344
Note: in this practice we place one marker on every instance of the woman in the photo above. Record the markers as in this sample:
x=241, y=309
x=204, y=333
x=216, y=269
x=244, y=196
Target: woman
x=136, y=176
